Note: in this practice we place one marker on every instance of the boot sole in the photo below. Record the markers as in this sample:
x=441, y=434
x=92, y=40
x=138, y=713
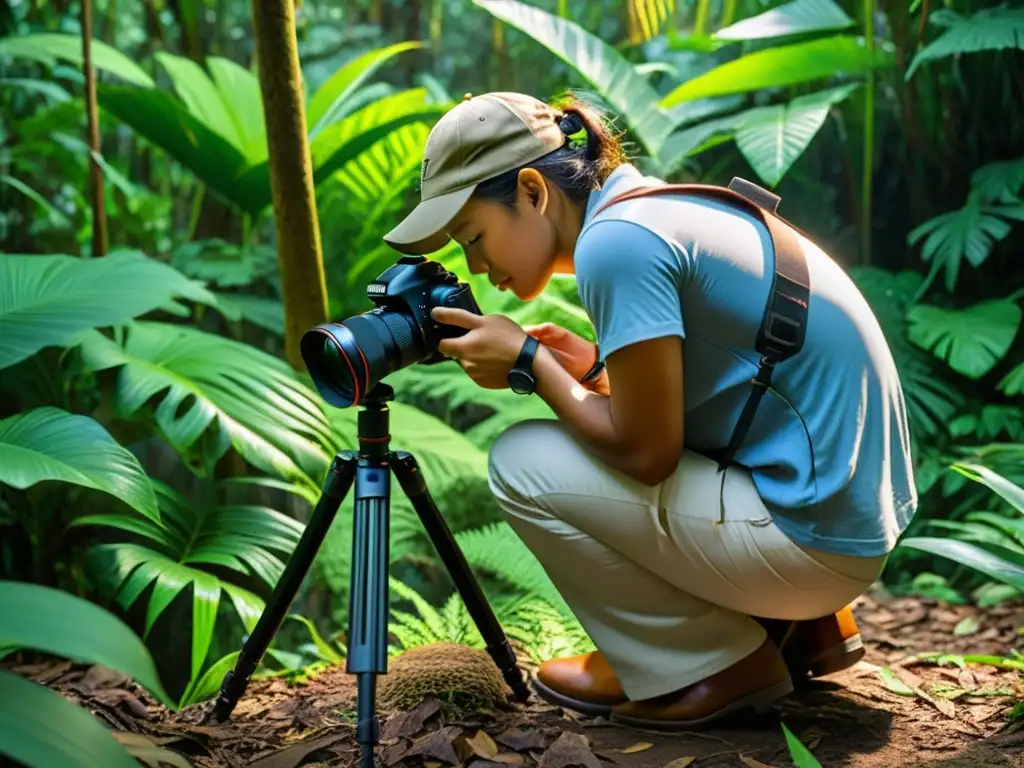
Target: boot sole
x=760, y=702
x=583, y=707
x=837, y=658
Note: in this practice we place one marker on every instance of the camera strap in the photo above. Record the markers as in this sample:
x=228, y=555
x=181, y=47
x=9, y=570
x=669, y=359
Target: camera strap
x=783, y=327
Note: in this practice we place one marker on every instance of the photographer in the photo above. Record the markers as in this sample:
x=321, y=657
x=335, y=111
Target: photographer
x=704, y=590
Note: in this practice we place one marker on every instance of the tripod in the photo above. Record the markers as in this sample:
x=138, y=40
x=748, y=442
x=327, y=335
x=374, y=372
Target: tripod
x=370, y=468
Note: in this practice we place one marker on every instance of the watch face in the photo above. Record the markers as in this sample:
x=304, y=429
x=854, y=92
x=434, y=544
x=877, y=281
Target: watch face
x=521, y=382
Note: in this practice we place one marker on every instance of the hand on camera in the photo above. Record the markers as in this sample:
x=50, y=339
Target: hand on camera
x=490, y=348
x=575, y=353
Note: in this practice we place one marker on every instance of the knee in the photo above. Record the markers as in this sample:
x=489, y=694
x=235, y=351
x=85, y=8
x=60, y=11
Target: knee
x=521, y=457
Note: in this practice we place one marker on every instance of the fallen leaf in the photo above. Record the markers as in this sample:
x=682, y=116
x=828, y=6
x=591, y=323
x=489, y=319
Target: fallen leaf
x=523, y=739
x=966, y=626
x=482, y=745
x=439, y=744
x=752, y=763
x=410, y=723
x=679, y=762
x=295, y=755
x=569, y=749
x=893, y=683
x=638, y=747
x=147, y=751
x=509, y=758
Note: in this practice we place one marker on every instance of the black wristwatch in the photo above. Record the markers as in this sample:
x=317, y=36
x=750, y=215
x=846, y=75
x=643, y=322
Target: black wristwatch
x=521, y=379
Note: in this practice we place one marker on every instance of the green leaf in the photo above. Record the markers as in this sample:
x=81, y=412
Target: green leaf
x=52, y=621
x=1012, y=493
x=802, y=756
x=967, y=233
x=47, y=48
x=990, y=29
x=793, y=18
x=200, y=381
x=893, y=683
x=40, y=728
x=328, y=104
x=597, y=62
x=1013, y=383
x=990, y=560
x=838, y=56
x=51, y=444
x=1000, y=181
x=50, y=301
x=772, y=138
x=970, y=340
x=165, y=121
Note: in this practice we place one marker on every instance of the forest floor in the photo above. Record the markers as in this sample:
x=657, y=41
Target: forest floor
x=922, y=714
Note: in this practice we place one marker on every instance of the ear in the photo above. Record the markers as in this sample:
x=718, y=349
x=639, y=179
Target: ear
x=532, y=190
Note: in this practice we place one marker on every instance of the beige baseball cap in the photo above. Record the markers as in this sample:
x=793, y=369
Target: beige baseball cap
x=481, y=137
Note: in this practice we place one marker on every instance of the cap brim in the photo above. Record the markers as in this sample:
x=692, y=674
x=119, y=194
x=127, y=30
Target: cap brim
x=422, y=231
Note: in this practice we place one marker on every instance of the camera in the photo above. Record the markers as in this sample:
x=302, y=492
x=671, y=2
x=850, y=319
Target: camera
x=346, y=359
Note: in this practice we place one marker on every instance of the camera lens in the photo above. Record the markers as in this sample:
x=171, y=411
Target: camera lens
x=347, y=359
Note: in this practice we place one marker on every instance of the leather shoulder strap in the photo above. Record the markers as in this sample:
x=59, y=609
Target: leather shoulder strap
x=784, y=324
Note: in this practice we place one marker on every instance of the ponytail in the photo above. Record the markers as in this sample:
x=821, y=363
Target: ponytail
x=579, y=167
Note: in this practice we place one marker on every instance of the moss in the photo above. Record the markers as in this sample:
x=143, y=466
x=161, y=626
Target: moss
x=464, y=679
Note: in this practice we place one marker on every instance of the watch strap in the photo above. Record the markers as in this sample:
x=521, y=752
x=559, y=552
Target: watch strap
x=595, y=370
x=527, y=354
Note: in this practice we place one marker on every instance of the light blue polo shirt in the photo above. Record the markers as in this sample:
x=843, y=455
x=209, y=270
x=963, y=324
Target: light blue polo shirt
x=829, y=447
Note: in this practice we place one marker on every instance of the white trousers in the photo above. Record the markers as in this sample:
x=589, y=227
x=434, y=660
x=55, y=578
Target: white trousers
x=662, y=584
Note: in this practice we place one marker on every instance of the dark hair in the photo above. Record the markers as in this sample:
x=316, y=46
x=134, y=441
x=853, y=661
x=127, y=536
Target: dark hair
x=591, y=152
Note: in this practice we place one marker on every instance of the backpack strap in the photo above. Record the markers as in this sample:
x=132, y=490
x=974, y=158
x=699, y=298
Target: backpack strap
x=784, y=325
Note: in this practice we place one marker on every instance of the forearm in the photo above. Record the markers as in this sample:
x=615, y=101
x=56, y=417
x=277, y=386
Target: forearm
x=587, y=414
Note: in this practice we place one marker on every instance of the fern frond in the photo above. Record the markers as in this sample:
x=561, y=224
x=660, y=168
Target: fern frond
x=646, y=18
x=991, y=29
x=498, y=551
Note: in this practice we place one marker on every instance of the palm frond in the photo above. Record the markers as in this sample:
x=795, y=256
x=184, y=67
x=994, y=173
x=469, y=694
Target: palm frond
x=990, y=29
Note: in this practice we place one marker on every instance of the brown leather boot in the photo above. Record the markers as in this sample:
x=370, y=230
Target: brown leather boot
x=818, y=646
x=756, y=682
x=583, y=683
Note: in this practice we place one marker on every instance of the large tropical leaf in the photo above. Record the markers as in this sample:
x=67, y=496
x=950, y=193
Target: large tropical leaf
x=228, y=101
x=48, y=48
x=996, y=562
x=971, y=340
x=45, y=619
x=793, y=18
x=626, y=90
x=967, y=233
x=786, y=65
x=51, y=300
x=330, y=103
x=989, y=29
x=51, y=444
x=179, y=551
x=1013, y=494
x=772, y=138
x=1013, y=383
x=200, y=385
x=39, y=728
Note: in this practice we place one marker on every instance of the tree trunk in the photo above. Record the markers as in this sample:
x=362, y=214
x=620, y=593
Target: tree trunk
x=291, y=172
x=99, y=206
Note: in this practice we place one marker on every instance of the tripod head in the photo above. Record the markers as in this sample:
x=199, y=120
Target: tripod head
x=374, y=423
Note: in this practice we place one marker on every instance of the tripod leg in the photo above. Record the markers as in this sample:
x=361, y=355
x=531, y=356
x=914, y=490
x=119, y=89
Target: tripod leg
x=336, y=486
x=368, y=609
x=407, y=470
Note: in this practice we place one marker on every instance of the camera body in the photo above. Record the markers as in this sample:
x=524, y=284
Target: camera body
x=347, y=359
x=413, y=286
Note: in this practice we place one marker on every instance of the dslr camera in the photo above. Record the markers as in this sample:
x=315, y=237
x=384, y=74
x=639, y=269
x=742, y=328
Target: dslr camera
x=347, y=359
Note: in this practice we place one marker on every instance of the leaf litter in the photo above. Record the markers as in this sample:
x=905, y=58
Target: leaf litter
x=929, y=692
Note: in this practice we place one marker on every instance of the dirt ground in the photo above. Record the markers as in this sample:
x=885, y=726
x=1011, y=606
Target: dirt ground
x=922, y=714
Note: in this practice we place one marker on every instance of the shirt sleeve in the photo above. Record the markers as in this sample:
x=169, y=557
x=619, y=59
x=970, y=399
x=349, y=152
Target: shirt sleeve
x=629, y=280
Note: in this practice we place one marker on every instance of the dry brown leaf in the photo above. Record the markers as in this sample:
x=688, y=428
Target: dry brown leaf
x=148, y=751
x=679, y=762
x=569, y=749
x=752, y=763
x=482, y=745
x=638, y=747
x=509, y=758
x=523, y=739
